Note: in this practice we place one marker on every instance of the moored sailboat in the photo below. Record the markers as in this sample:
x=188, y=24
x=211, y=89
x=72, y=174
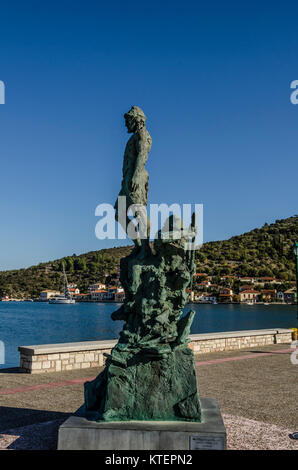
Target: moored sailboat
x=63, y=298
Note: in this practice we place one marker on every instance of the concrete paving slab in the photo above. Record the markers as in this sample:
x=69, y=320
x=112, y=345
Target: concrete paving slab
x=82, y=432
x=263, y=389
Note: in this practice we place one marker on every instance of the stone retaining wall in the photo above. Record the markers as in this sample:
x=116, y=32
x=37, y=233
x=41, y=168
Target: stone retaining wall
x=238, y=340
x=69, y=356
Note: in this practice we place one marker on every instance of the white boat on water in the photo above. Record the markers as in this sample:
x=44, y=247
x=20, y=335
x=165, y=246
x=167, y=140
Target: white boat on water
x=63, y=298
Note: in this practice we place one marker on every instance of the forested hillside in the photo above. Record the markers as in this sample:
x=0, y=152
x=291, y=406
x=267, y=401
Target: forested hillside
x=266, y=251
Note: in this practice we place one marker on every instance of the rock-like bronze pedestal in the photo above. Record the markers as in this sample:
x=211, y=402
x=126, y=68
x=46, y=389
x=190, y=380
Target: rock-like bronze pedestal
x=150, y=373
x=147, y=389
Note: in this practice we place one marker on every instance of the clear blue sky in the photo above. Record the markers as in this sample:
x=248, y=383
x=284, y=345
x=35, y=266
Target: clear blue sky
x=213, y=79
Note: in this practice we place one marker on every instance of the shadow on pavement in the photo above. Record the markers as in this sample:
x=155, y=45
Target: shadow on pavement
x=11, y=370
x=268, y=352
x=11, y=418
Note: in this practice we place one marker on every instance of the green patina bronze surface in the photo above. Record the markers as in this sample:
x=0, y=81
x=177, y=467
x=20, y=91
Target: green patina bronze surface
x=150, y=373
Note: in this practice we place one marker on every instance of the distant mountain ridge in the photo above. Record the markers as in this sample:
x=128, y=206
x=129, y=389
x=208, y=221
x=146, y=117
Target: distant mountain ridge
x=265, y=251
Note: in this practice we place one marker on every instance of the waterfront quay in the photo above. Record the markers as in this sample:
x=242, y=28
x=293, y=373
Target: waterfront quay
x=45, y=358
x=256, y=389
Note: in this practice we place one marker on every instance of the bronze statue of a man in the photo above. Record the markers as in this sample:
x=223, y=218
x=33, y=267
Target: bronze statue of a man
x=150, y=375
x=135, y=177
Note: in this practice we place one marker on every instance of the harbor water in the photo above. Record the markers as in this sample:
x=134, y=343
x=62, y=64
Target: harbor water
x=30, y=323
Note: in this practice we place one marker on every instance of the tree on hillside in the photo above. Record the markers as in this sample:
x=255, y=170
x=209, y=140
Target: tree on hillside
x=80, y=264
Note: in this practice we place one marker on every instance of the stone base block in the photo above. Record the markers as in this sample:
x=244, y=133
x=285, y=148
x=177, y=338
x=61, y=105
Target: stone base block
x=79, y=432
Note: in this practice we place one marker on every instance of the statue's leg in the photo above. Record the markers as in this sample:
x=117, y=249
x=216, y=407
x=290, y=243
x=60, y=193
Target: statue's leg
x=124, y=225
x=137, y=240
x=144, y=228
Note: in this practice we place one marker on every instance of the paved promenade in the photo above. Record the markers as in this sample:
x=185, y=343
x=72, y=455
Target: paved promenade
x=256, y=389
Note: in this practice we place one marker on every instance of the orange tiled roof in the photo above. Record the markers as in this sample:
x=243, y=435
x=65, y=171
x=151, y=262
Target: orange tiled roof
x=249, y=291
x=268, y=291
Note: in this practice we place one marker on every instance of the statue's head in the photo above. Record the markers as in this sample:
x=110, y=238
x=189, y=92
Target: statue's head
x=134, y=119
